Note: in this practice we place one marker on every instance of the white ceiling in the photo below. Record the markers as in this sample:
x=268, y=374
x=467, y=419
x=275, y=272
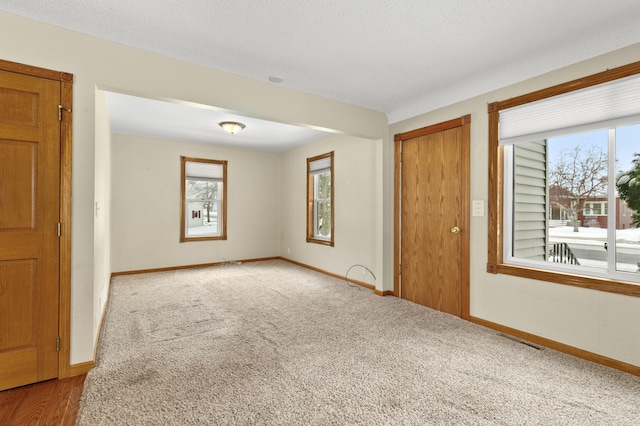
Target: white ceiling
x=199, y=123
x=400, y=57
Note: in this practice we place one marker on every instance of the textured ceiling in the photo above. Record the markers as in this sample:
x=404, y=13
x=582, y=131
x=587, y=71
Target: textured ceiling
x=400, y=57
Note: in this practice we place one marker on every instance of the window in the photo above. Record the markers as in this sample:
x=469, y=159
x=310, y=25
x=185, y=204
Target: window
x=564, y=182
x=204, y=195
x=595, y=209
x=320, y=199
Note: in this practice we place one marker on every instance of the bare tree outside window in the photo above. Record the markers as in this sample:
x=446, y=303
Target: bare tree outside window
x=577, y=174
x=323, y=204
x=205, y=191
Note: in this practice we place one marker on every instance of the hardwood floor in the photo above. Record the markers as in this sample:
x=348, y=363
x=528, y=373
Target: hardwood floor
x=54, y=402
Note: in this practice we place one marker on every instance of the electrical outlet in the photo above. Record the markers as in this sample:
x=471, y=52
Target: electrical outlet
x=288, y=251
x=364, y=271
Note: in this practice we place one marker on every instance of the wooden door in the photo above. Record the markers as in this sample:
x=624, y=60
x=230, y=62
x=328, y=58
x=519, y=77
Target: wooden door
x=432, y=229
x=29, y=216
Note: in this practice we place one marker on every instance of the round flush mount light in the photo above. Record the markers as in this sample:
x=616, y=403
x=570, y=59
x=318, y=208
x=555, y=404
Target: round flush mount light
x=275, y=79
x=231, y=127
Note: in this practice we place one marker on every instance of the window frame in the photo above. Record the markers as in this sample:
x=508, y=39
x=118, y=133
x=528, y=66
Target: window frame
x=183, y=201
x=312, y=201
x=496, y=222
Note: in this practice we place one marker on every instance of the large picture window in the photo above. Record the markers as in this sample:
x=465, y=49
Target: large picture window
x=203, y=204
x=565, y=185
x=320, y=217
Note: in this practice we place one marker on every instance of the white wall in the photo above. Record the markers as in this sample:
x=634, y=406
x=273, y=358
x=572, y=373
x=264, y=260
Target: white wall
x=599, y=322
x=105, y=65
x=266, y=205
x=101, y=213
x=357, y=204
x=146, y=205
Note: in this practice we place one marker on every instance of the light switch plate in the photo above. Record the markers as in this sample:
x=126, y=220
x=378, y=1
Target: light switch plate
x=478, y=208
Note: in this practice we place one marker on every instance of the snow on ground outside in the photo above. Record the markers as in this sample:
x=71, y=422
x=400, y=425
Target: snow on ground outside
x=626, y=239
x=630, y=236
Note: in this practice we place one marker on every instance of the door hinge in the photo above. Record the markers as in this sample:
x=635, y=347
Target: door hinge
x=59, y=228
x=58, y=344
x=60, y=108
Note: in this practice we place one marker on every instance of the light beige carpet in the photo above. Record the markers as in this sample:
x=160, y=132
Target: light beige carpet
x=270, y=343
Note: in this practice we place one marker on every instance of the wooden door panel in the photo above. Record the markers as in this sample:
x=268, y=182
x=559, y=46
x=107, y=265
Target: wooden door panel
x=29, y=214
x=430, y=249
x=18, y=107
x=17, y=286
x=450, y=193
x=411, y=222
x=16, y=368
x=17, y=192
x=433, y=189
x=17, y=331
x=20, y=113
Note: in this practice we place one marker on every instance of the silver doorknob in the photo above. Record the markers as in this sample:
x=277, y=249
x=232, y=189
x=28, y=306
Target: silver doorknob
x=455, y=230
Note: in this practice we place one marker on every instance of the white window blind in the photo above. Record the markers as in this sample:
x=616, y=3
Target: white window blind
x=605, y=105
x=320, y=166
x=203, y=171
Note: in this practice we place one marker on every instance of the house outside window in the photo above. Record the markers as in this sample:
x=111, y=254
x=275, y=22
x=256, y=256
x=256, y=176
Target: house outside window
x=203, y=200
x=320, y=206
x=568, y=163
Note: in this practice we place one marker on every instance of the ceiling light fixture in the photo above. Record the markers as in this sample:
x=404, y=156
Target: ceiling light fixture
x=231, y=127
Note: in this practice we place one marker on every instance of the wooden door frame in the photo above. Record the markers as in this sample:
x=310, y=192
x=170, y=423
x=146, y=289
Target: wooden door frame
x=465, y=123
x=64, y=289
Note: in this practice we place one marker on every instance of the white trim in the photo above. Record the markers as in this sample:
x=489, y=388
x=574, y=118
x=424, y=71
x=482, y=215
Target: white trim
x=609, y=268
x=612, y=212
x=507, y=243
